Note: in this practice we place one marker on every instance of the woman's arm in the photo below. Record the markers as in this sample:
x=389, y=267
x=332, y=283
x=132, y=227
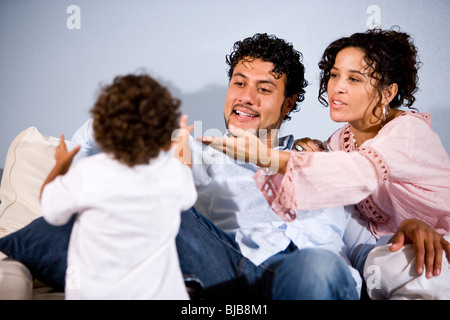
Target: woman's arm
x=246, y=146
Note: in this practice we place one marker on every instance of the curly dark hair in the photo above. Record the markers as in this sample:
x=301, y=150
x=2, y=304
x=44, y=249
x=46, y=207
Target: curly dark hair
x=285, y=59
x=134, y=118
x=391, y=57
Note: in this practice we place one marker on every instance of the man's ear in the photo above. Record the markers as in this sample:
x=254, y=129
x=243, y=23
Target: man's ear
x=389, y=93
x=289, y=103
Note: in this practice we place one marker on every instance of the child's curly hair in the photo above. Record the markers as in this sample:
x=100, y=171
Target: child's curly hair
x=134, y=119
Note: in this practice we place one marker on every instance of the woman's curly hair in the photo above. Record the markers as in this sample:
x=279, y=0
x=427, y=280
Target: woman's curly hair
x=285, y=59
x=391, y=57
x=134, y=118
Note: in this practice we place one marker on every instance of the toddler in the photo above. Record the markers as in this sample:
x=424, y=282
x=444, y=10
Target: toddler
x=128, y=198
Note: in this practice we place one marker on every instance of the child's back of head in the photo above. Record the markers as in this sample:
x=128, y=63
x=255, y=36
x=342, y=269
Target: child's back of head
x=134, y=119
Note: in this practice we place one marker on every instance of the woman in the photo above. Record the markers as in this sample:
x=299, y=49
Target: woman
x=387, y=161
x=367, y=77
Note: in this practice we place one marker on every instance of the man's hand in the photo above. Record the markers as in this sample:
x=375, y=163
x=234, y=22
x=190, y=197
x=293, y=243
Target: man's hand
x=309, y=145
x=428, y=245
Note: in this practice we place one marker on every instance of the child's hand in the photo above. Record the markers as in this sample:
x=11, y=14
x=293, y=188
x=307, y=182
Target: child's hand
x=63, y=161
x=180, y=142
x=63, y=157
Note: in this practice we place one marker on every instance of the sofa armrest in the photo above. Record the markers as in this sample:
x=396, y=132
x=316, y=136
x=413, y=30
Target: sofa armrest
x=16, y=282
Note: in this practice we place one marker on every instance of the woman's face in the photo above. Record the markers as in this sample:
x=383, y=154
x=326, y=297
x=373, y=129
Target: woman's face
x=352, y=92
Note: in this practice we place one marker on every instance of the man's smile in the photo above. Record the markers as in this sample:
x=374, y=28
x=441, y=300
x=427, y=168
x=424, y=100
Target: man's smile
x=244, y=114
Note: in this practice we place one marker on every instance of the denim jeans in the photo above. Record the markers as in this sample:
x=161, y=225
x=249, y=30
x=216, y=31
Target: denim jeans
x=212, y=257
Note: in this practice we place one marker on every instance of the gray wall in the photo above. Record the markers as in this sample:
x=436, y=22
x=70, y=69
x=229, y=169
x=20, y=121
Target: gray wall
x=53, y=58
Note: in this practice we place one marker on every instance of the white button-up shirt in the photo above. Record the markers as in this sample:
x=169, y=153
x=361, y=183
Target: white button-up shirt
x=229, y=197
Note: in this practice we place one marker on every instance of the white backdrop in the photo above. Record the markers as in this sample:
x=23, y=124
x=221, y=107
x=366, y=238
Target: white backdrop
x=55, y=53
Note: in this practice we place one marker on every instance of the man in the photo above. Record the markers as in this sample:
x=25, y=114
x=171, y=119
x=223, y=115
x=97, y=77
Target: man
x=247, y=104
x=231, y=242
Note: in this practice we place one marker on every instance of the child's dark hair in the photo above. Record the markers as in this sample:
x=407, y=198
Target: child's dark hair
x=391, y=57
x=134, y=119
x=285, y=59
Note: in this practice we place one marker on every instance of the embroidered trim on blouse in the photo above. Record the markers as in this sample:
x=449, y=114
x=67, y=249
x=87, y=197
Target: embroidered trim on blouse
x=346, y=140
x=420, y=115
x=282, y=206
x=368, y=208
x=379, y=165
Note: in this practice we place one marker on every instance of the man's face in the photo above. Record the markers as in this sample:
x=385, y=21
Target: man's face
x=256, y=97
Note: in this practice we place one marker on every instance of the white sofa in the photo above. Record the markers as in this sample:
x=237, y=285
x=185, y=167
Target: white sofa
x=27, y=273
x=28, y=161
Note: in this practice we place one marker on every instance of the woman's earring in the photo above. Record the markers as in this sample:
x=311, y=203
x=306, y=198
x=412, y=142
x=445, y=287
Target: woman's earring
x=386, y=110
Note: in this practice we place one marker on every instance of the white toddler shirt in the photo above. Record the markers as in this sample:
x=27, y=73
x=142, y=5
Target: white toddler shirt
x=122, y=244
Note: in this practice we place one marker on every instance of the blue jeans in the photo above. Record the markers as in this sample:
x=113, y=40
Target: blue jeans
x=212, y=257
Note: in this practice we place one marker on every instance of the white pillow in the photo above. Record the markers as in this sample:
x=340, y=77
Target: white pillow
x=28, y=162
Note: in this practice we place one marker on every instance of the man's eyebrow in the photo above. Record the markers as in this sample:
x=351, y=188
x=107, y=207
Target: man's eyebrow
x=268, y=82
x=238, y=74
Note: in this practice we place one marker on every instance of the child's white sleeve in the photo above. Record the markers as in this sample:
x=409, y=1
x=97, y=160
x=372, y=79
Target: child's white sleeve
x=188, y=186
x=60, y=198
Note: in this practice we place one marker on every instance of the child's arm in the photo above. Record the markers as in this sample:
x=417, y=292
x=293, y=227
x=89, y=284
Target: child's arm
x=180, y=143
x=63, y=161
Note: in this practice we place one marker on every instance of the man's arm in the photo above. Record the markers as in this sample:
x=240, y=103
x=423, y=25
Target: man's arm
x=85, y=138
x=357, y=237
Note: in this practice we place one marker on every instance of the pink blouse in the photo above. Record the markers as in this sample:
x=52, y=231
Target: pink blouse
x=402, y=173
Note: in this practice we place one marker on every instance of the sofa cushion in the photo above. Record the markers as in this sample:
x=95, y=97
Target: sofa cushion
x=42, y=248
x=29, y=159
x=25, y=236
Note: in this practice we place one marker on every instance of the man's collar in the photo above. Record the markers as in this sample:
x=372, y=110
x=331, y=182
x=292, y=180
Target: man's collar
x=285, y=143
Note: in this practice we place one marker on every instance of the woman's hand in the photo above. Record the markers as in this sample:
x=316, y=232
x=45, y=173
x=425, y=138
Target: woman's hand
x=428, y=245
x=243, y=145
x=307, y=144
x=246, y=146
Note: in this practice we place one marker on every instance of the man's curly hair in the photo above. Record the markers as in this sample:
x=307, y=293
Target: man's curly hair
x=285, y=58
x=134, y=119
x=390, y=56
